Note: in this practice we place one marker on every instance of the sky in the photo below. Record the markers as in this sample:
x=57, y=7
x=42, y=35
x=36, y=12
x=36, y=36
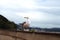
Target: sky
x=41, y=13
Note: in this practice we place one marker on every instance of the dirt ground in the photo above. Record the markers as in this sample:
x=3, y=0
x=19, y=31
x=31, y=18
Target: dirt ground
x=9, y=35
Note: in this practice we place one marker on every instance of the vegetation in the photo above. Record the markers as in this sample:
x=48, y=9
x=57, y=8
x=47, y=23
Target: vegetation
x=6, y=24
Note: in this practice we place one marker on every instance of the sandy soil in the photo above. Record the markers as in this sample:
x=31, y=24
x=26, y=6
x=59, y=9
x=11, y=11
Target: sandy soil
x=3, y=37
x=8, y=35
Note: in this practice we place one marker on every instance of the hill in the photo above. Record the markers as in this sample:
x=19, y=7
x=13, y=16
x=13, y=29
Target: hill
x=6, y=24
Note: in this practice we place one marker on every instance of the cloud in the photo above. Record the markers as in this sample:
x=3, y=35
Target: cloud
x=17, y=3
x=44, y=13
x=48, y=3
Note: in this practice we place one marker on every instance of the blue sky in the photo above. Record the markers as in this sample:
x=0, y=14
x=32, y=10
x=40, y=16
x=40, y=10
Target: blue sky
x=41, y=13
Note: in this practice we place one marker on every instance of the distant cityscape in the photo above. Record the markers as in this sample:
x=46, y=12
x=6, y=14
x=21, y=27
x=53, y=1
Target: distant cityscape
x=26, y=27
